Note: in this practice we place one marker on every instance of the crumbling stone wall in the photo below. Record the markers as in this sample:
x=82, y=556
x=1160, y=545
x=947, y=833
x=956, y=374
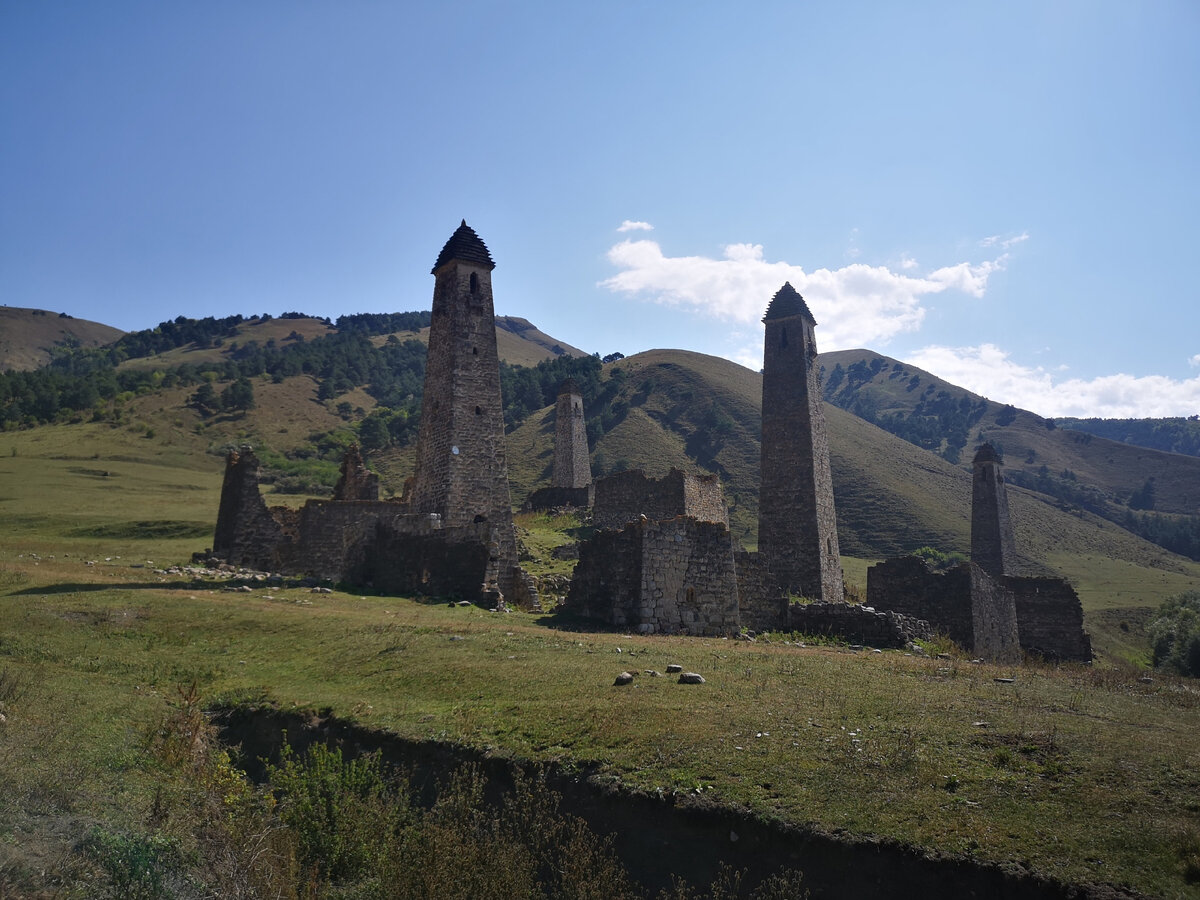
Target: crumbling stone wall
x=356, y=481
x=554, y=497
x=857, y=624
x=674, y=576
x=246, y=533
x=1050, y=618
x=626, y=496
x=761, y=606
x=416, y=555
x=994, y=629
x=907, y=586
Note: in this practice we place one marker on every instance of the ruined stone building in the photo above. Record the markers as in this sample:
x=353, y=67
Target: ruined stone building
x=982, y=605
x=797, y=525
x=453, y=532
x=663, y=558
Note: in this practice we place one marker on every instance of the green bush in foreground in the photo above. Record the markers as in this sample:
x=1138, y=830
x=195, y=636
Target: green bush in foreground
x=1175, y=634
x=326, y=826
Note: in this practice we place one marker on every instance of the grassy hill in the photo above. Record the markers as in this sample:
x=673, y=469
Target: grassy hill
x=1074, y=773
x=28, y=337
x=895, y=393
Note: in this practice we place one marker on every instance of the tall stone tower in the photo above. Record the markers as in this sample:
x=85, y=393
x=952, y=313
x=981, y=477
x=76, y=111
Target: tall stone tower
x=992, y=547
x=797, y=525
x=461, y=472
x=572, y=469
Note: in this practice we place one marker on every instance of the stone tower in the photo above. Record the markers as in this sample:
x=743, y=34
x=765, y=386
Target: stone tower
x=797, y=526
x=572, y=468
x=992, y=547
x=461, y=473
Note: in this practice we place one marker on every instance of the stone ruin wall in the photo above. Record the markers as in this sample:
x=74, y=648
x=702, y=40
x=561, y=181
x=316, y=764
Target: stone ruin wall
x=993, y=618
x=761, y=606
x=997, y=619
x=626, y=496
x=673, y=576
x=907, y=586
x=1050, y=618
x=857, y=624
x=556, y=497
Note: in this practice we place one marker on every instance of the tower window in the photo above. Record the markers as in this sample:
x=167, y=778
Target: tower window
x=474, y=283
x=479, y=410
x=474, y=351
x=783, y=337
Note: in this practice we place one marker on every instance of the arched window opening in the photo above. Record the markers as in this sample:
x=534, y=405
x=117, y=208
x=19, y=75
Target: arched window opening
x=474, y=283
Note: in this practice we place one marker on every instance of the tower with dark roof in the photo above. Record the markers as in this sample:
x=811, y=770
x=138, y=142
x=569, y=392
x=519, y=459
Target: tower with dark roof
x=572, y=469
x=461, y=473
x=797, y=524
x=992, y=546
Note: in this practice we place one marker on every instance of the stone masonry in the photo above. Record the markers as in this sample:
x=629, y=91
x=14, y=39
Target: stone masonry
x=453, y=533
x=571, y=481
x=991, y=613
x=572, y=469
x=992, y=547
x=673, y=576
x=627, y=496
x=797, y=525
x=461, y=472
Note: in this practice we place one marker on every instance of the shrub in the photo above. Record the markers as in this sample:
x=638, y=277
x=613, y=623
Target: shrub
x=1175, y=634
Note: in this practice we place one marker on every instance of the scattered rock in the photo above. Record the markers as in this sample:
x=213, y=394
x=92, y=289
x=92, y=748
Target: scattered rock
x=982, y=724
x=320, y=590
x=464, y=603
x=456, y=637
x=1004, y=680
x=624, y=678
x=691, y=678
x=673, y=668
x=653, y=673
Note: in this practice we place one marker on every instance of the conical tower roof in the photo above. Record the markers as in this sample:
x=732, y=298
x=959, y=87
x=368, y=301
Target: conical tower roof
x=788, y=302
x=466, y=246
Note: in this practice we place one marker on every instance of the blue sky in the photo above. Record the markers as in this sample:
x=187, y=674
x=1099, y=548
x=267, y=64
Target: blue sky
x=1005, y=194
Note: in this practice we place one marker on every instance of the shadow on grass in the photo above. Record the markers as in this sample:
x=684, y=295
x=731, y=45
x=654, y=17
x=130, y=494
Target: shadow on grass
x=230, y=586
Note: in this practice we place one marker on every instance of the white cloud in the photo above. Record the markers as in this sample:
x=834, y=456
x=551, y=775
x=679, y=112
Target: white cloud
x=1195, y=360
x=1004, y=242
x=988, y=370
x=907, y=263
x=856, y=305
x=628, y=225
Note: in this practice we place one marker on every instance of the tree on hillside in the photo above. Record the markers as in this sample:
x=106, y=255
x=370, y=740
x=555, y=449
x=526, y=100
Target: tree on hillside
x=205, y=399
x=239, y=396
x=1175, y=634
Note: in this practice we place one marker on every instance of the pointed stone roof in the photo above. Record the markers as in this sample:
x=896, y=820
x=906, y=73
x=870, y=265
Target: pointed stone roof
x=788, y=302
x=464, y=245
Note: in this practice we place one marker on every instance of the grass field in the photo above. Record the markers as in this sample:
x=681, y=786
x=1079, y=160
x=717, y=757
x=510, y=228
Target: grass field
x=1088, y=774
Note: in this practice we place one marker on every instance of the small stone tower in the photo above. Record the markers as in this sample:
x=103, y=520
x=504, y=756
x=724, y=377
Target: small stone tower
x=797, y=525
x=572, y=468
x=461, y=473
x=992, y=547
